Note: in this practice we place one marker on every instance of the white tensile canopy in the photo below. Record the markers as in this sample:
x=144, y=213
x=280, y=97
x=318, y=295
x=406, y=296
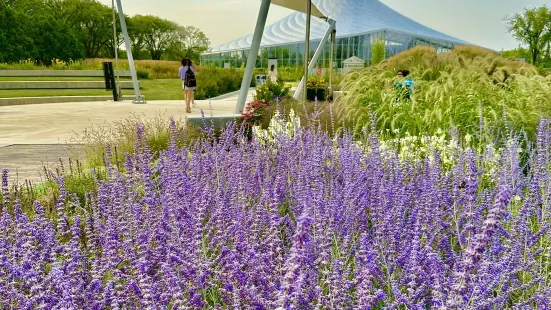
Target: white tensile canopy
x=300, y=6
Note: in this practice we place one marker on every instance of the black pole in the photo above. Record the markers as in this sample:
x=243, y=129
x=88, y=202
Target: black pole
x=109, y=77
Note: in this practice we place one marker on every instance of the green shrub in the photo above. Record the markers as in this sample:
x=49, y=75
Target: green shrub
x=142, y=74
x=315, y=81
x=269, y=91
x=213, y=82
x=207, y=88
x=290, y=74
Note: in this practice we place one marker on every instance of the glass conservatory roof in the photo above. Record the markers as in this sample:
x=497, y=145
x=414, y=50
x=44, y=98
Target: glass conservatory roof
x=353, y=17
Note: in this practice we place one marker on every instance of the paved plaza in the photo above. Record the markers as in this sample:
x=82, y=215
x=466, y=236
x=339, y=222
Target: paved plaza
x=37, y=135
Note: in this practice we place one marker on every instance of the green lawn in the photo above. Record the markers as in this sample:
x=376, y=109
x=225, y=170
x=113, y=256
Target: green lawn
x=162, y=89
x=167, y=89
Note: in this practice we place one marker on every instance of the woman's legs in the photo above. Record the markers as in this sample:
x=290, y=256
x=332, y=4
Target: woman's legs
x=184, y=89
x=185, y=96
x=188, y=100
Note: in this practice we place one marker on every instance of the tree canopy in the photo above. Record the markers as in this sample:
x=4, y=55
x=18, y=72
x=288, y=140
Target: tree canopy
x=43, y=30
x=153, y=33
x=189, y=42
x=532, y=28
x=29, y=29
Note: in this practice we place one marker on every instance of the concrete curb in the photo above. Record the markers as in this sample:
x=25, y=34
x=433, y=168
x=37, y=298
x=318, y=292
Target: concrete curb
x=229, y=95
x=219, y=121
x=58, y=73
x=7, y=85
x=56, y=99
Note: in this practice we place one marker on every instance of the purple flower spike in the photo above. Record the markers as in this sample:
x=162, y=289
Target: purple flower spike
x=311, y=221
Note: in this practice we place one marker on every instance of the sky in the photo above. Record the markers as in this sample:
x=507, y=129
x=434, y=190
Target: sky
x=480, y=22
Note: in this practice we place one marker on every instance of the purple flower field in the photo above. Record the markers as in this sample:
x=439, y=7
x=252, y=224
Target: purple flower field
x=305, y=223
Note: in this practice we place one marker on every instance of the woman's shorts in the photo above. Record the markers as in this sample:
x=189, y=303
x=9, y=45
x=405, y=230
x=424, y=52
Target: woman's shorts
x=184, y=87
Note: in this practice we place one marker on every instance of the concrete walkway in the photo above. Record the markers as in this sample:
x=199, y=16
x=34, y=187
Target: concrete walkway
x=32, y=136
x=27, y=161
x=54, y=123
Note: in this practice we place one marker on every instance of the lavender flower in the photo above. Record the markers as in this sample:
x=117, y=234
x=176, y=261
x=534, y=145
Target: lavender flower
x=307, y=222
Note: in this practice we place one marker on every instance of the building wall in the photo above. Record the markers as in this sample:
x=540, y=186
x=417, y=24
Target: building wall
x=291, y=55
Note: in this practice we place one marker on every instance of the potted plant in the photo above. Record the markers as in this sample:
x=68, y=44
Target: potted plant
x=315, y=88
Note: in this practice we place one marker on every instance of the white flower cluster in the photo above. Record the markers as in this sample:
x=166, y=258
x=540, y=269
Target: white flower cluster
x=410, y=148
x=416, y=148
x=280, y=126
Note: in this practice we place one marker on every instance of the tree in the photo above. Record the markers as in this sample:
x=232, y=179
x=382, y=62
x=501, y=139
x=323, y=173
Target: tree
x=73, y=29
x=189, y=42
x=136, y=33
x=109, y=49
x=30, y=29
x=152, y=33
x=53, y=39
x=92, y=20
x=532, y=28
x=378, y=51
x=15, y=43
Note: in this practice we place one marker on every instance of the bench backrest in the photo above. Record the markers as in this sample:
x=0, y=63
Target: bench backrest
x=57, y=73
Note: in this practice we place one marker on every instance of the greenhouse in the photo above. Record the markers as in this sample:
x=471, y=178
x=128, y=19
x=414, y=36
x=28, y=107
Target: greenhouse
x=360, y=24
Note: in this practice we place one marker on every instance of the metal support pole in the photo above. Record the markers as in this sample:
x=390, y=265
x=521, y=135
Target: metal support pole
x=253, y=54
x=302, y=85
x=116, y=46
x=333, y=36
x=307, y=47
x=139, y=98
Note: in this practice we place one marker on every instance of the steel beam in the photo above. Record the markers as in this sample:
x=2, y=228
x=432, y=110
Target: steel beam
x=253, y=54
x=139, y=98
x=302, y=85
x=116, y=46
x=331, y=53
x=306, y=48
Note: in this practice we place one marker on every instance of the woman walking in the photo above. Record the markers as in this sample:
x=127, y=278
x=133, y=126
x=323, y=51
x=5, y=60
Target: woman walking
x=273, y=74
x=189, y=84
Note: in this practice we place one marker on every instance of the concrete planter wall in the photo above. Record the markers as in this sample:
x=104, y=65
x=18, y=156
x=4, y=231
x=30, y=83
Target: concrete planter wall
x=6, y=85
x=55, y=99
x=58, y=73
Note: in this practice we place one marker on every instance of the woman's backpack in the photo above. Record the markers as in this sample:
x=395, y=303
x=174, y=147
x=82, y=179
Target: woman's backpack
x=190, y=78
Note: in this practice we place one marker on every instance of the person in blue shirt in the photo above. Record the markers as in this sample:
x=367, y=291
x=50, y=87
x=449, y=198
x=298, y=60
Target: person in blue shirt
x=404, y=85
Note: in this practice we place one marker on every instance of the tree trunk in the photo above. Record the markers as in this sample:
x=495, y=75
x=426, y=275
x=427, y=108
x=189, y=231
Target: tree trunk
x=156, y=55
x=535, y=54
x=136, y=52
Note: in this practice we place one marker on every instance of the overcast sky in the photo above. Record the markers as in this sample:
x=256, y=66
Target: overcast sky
x=476, y=21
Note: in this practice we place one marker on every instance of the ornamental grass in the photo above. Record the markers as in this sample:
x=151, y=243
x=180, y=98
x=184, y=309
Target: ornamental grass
x=468, y=88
